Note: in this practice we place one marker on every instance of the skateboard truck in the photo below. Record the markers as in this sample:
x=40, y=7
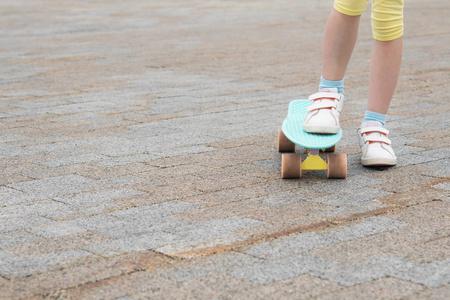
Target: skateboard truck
x=314, y=161
x=292, y=165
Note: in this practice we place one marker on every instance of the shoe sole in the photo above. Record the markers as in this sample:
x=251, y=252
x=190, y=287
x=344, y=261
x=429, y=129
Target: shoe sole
x=321, y=129
x=378, y=162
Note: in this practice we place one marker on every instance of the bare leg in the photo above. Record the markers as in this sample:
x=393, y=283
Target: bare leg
x=339, y=41
x=384, y=72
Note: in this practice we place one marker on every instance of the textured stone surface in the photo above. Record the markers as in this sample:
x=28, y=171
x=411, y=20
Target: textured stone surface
x=304, y=242
x=138, y=156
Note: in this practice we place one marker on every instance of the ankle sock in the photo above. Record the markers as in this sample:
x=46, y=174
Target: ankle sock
x=339, y=84
x=374, y=116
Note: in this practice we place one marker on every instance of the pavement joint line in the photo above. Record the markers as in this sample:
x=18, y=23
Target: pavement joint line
x=396, y=205
x=105, y=279
x=279, y=234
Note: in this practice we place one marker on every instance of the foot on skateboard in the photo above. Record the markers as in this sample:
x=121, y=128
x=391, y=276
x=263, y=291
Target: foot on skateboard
x=292, y=134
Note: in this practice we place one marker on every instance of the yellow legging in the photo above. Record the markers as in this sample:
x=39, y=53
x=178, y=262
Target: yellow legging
x=387, y=16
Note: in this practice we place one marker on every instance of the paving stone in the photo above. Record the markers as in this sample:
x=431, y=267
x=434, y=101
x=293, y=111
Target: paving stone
x=15, y=238
x=120, y=181
x=12, y=138
x=45, y=208
x=98, y=197
x=7, y=150
x=22, y=267
x=282, y=199
x=350, y=185
x=299, y=211
x=383, y=288
x=214, y=228
x=352, y=199
x=252, y=169
x=57, y=244
x=121, y=228
x=145, y=285
x=18, y=223
x=403, y=179
x=124, y=160
x=440, y=293
x=273, y=208
x=82, y=275
x=56, y=186
x=300, y=287
x=432, y=211
x=215, y=184
x=437, y=143
x=271, y=271
x=207, y=266
x=428, y=252
x=216, y=286
x=341, y=213
x=178, y=171
x=64, y=149
x=401, y=242
x=135, y=221
x=443, y=186
x=348, y=274
x=153, y=184
x=219, y=197
x=10, y=196
x=40, y=172
x=413, y=197
x=42, y=140
x=167, y=193
x=432, y=275
x=163, y=209
x=304, y=242
x=4, y=285
x=129, y=244
x=72, y=160
x=56, y=229
x=423, y=157
x=96, y=172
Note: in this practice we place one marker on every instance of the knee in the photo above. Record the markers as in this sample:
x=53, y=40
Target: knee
x=351, y=7
x=387, y=19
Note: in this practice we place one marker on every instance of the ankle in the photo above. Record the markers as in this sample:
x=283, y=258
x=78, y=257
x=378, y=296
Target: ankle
x=339, y=84
x=374, y=116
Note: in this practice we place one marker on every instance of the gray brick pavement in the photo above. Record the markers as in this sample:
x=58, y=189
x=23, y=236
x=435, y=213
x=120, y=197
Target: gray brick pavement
x=168, y=146
x=12, y=265
x=304, y=242
x=56, y=186
x=345, y=273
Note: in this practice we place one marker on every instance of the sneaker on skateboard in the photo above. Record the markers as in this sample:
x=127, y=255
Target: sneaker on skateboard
x=292, y=134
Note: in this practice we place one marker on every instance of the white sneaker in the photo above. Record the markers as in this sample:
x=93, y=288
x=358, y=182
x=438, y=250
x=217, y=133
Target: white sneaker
x=375, y=145
x=323, y=113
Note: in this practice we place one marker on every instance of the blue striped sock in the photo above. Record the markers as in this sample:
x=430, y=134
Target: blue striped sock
x=374, y=116
x=339, y=84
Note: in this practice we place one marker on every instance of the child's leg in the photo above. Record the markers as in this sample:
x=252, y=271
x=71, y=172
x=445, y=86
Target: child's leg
x=339, y=40
x=387, y=26
x=384, y=72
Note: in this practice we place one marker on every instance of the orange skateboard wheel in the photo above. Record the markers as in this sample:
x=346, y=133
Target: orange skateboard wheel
x=291, y=166
x=337, y=166
x=284, y=144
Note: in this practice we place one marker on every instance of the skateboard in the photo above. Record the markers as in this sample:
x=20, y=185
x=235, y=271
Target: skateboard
x=292, y=134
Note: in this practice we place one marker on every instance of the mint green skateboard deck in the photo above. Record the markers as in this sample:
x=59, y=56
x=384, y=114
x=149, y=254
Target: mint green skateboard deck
x=292, y=134
x=293, y=128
